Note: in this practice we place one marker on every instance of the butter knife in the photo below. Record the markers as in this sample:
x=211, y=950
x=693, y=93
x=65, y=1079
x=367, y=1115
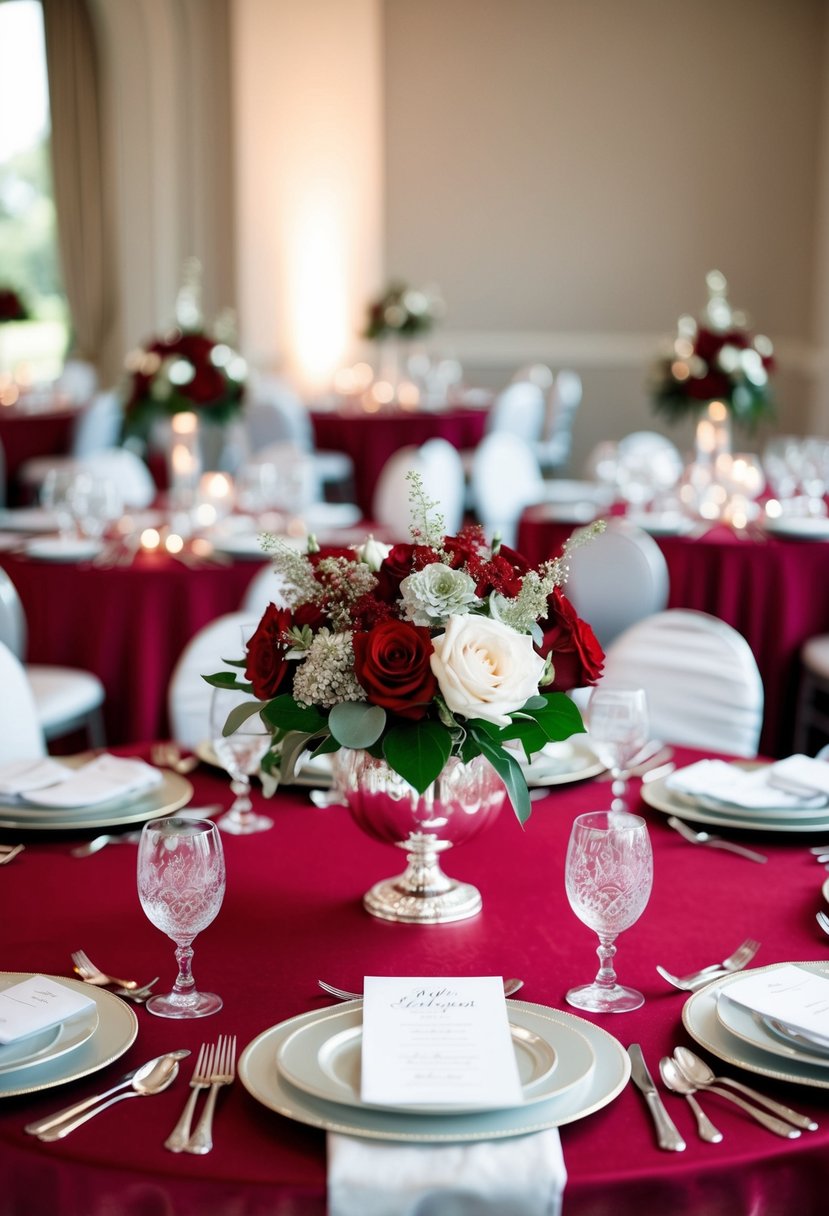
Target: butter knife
x=666, y=1133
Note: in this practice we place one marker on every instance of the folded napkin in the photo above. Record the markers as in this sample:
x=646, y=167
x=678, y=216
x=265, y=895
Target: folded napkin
x=800, y=775
x=103, y=778
x=732, y=786
x=36, y=1003
x=22, y=776
x=797, y=998
x=518, y=1176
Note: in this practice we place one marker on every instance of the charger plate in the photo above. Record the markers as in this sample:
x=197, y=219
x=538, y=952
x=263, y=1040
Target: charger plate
x=657, y=795
x=323, y=1058
x=260, y=1075
x=760, y=1055
x=114, y=1034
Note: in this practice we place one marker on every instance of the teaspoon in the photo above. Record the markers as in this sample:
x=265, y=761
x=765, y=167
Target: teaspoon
x=675, y=1081
x=147, y=1081
x=703, y=1077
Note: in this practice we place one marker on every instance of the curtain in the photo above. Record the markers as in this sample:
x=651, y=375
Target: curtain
x=79, y=187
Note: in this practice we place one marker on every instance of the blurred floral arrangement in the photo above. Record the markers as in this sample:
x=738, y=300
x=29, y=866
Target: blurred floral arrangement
x=445, y=646
x=190, y=368
x=12, y=307
x=403, y=312
x=716, y=358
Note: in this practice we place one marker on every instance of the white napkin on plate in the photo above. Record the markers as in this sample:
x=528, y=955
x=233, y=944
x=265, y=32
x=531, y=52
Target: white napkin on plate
x=794, y=996
x=517, y=1176
x=729, y=785
x=103, y=778
x=800, y=775
x=23, y=776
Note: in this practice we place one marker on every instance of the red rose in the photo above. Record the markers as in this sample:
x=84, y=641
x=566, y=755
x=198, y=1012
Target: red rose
x=392, y=665
x=578, y=658
x=393, y=569
x=267, y=668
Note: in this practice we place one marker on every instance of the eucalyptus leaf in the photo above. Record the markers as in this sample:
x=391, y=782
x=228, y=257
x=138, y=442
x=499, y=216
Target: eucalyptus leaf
x=293, y=745
x=239, y=715
x=356, y=724
x=509, y=770
x=418, y=752
x=226, y=679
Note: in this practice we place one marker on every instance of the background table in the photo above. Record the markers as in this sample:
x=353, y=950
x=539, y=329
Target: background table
x=370, y=439
x=28, y=433
x=774, y=592
x=293, y=914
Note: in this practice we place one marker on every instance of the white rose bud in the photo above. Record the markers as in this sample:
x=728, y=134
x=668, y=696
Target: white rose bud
x=373, y=553
x=485, y=669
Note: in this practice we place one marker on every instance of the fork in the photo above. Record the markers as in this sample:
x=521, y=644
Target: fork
x=715, y=842
x=138, y=995
x=510, y=987
x=177, y=1140
x=168, y=755
x=823, y=920
x=91, y=974
x=8, y=852
x=222, y=1073
x=740, y=958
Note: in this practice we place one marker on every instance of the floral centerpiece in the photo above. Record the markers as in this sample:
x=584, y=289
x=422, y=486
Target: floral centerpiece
x=443, y=647
x=403, y=312
x=12, y=307
x=716, y=358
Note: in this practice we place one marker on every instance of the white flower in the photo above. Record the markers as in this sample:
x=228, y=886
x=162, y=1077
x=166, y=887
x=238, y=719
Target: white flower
x=485, y=669
x=431, y=595
x=373, y=553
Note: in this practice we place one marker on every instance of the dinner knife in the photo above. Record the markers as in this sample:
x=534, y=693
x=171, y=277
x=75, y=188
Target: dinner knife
x=666, y=1133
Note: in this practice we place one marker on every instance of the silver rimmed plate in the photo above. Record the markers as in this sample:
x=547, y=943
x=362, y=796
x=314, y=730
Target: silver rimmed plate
x=114, y=1034
x=759, y=1054
x=261, y=1077
x=657, y=795
x=50, y=1043
x=323, y=1057
x=562, y=763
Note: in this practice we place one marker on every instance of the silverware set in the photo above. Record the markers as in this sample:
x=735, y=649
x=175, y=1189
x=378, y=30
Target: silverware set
x=714, y=842
x=215, y=1067
x=90, y=974
x=740, y=958
x=8, y=852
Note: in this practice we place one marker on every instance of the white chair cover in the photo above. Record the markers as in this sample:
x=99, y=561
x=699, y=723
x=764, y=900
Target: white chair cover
x=618, y=578
x=562, y=403
x=20, y=734
x=95, y=429
x=276, y=414
x=263, y=589
x=128, y=471
x=78, y=379
x=505, y=479
x=189, y=696
x=519, y=410
x=444, y=480
x=702, y=682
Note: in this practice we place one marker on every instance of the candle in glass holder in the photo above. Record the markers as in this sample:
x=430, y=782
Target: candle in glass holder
x=185, y=459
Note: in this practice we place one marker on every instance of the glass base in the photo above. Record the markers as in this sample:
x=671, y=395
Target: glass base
x=194, y=1005
x=395, y=900
x=243, y=824
x=598, y=999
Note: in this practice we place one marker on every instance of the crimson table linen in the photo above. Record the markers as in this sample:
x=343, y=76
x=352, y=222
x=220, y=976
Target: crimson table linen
x=25, y=434
x=293, y=914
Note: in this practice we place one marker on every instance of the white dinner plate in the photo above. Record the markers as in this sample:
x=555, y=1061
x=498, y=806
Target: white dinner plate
x=323, y=1058
x=314, y=774
x=798, y=527
x=28, y=519
x=114, y=1034
x=50, y=1043
x=260, y=1075
x=561, y=763
x=757, y=1030
x=699, y=1016
x=657, y=795
x=63, y=548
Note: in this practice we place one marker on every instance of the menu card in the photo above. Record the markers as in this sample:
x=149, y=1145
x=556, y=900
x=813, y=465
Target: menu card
x=36, y=1003
x=437, y=1041
x=790, y=994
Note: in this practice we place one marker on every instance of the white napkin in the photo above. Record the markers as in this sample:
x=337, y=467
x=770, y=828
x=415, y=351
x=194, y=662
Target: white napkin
x=518, y=1176
x=796, y=997
x=22, y=776
x=800, y=775
x=733, y=786
x=36, y=1003
x=103, y=778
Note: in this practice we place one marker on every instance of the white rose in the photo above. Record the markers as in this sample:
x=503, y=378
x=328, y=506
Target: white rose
x=373, y=553
x=484, y=668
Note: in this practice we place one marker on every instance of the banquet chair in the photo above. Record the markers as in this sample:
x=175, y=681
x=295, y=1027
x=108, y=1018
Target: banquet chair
x=702, y=682
x=66, y=698
x=563, y=400
x=264, y=588
x=617, y=578
x=276, y=414
x=444, y=480
x=811, y=723
x=188, y=694
x=78, y=380
x=95, y=428
x=21, y=736
x=505, y=479
x=518, y=410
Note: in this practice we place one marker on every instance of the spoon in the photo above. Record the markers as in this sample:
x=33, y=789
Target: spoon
x=697, y=1071
x=151, y=1079
x=130, y=1078
x=674, y=1080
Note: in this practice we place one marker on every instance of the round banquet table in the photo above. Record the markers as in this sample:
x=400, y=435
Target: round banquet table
x=25, y=433
x=773, y=591
x=370, y=439
x=293, y=914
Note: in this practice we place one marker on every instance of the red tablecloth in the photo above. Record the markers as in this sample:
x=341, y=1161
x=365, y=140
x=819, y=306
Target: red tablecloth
x=774, y=592
x=25, y=434
x=370, y=439
x=127, y=624
x=293, y=914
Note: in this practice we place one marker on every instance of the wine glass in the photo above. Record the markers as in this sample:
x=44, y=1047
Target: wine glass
x=239, y=754
x=617, y=721
x=608, y=876
x=181, y=884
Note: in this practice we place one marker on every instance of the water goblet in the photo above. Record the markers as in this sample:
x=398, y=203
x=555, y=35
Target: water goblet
x=181, y=884
x=608, y=878
x=617, y=721
x=239, y=753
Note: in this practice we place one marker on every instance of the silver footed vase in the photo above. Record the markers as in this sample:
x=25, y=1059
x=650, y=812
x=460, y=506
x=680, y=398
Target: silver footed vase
x=464, y=799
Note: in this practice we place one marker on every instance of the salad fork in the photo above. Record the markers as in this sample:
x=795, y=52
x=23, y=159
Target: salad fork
x=740, y=958
x=222, y=1073
x=91, y=974
x=8, y=852
x=178, y=1138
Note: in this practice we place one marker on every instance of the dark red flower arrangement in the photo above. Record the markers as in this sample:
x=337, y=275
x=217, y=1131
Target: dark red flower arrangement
x=12, y=307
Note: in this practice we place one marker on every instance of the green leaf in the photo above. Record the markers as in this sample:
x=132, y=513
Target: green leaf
x=240, y=714
x=418, y=752
x=293, y=745
x=226, y=679
x=537, y=702
x=530, y=734
x=509, y=770
x=283, y=713
x=329, y=744
x=560, y=719
x=356, y=724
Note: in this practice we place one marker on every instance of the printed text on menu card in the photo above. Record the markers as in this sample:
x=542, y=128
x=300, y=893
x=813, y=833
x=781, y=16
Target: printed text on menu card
x=36, y=1003
x=437, y=1042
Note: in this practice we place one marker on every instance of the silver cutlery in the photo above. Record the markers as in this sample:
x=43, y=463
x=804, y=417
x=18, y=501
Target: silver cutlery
x=703, y=1077
x=139, y=1075
x=510, y=988
x=168, y=755
x=90, y=974
x=673, y=1079
x=177, y=1140
x=155, y=1081
x=740, y=958
x=8, y=852
x=667, y=1135
x=137, y=995
x=656, y=774
x=819, y=849
x=714, y=842
x=222, y=1073
x=99, y=842
x=823, y=920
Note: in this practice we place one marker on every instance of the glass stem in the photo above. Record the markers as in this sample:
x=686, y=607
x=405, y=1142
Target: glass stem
x=242, y=804
x=619, y=790
x=185, y=983
x=606, y=976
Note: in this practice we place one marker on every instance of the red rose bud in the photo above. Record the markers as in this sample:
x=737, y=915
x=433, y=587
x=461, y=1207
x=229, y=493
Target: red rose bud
x=577, y=657
x=392, y=663
x=267, y=668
